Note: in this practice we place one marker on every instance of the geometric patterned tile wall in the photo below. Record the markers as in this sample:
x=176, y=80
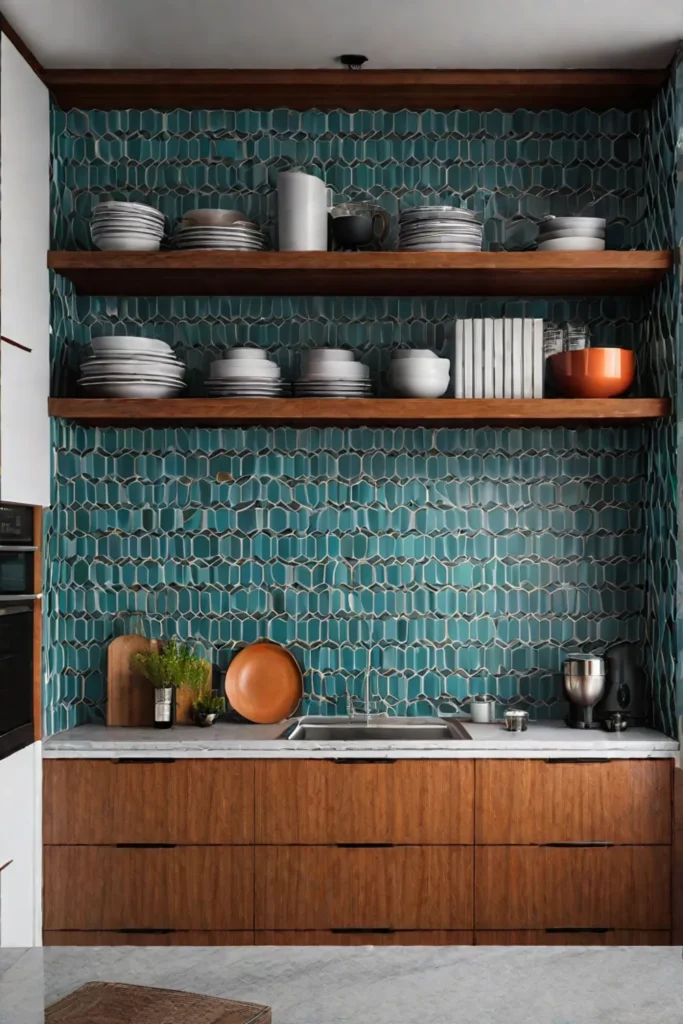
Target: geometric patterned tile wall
x=445, y=562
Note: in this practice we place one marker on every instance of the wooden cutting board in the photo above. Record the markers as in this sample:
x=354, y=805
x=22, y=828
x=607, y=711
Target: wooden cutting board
x=108, y=1003
x=130, y=697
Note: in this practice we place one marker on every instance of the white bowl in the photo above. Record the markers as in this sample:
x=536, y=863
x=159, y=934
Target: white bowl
x=334, y=355
x=243, y=352
x=128, y=243
x=214, y=218
x=421, y=387
x=118, y=206
x=338, y=371
x=244, y=368
x=413, y=353
x=420, y=367
x=117, y=342
x=562, y=223
x=574, y=244
x=546, y=236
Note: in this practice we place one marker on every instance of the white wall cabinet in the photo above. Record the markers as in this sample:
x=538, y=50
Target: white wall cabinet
x=20, y=847
x=25, y=461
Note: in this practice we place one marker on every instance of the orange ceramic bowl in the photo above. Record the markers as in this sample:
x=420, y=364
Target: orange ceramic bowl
x=593, y=372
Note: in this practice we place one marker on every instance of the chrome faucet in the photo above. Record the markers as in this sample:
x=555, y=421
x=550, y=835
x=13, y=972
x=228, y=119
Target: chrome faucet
x=368, y=702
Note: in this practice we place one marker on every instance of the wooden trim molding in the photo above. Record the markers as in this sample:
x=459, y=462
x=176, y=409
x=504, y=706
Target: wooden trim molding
x=21, y=46
x=416, y=89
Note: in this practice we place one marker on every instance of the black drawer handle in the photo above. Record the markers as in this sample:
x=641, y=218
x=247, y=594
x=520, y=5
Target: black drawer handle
x=577, y=760
x=578, y=845
x=145, y=846
x=144, y=760
x=362, y=931
x=361, y=760
x=144, y=931
x=578, y=931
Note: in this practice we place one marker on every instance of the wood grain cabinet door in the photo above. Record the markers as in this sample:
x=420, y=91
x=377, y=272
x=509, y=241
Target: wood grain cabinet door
x=626, y=887
x=576, y=937
x=310, y=888
x=155, y=938
x=107, y=888
x=627, y=802
x=183, y=801
x=362, y=937
x=326, y=802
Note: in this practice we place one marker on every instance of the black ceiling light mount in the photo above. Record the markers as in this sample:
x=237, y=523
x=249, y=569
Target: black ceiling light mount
x=353, y=61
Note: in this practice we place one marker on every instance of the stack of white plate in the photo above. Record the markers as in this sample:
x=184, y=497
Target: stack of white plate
x=219, y=229
x=127, y=226
x=577, y=233
x=419, y=373
x=130, y=367
x=245, y=373
x=439, y=229
x=332, y=373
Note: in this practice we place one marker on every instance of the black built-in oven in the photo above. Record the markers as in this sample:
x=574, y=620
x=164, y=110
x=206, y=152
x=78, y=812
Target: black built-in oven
x=17, y=554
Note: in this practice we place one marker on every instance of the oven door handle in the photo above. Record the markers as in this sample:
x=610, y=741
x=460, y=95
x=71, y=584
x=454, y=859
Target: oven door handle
x=20, y=597
x=19, y=549
x=20, y=610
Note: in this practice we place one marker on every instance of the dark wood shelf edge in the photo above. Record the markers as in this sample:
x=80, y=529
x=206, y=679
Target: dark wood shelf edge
x=328, y=89
x=354, y=412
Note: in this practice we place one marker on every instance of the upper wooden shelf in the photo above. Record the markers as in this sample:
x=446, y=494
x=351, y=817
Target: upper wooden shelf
x=414, y=89
x=211, y=272
x=355, y=411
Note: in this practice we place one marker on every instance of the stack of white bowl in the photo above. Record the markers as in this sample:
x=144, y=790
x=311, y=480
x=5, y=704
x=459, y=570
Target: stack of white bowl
x=219, y=229
x=419, y=373
x=133, y=227
x=577, y=233
x=245, y=373
x=131, y=367
x=332, y=373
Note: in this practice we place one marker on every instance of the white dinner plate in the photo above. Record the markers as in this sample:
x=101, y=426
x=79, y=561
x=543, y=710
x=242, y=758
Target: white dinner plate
x=129, y=343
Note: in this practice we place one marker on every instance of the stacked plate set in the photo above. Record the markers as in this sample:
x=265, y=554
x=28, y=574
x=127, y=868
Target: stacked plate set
x=556, y=234
x=219, y=229
x=439, y=229
x=419, y=373
x=134, y=227
x=245, y=373
x=332, y=373
x=130, y=367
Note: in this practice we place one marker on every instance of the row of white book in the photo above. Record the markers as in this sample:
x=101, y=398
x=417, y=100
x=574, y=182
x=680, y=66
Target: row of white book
x=498, y=358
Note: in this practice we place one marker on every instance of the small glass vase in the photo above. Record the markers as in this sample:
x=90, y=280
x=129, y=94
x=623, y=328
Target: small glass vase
x=164, y=707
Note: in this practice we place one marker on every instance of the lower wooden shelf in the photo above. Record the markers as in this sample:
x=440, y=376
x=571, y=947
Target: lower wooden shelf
x=356, y=411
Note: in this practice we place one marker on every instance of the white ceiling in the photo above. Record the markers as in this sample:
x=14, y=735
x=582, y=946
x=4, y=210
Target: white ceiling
x=310, y=33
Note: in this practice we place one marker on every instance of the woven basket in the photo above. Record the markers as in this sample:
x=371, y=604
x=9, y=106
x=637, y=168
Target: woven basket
x=107, y=1003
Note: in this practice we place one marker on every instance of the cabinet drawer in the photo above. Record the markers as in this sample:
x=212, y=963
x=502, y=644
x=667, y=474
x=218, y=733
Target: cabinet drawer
x=312, y=888
x=607, y=937
x=138, y=938
x=105, y=888
x=102, y=802
x=522, y=802
x=363, y=938
x=326, y=802
x=530, y=887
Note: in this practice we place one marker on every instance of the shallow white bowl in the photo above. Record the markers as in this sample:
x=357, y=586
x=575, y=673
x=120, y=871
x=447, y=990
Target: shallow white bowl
x=130, y=342
x=128, y=243
x=117, y=205
x=255, y=368
x=414, y=353
x=141, y=367
x=421, y=387
x=214, y=218
x=324, y=355
x=136, y=390
x=243, y=352
x=562, y=223
x=420, y=367
x=575, y=244
x=338, y=371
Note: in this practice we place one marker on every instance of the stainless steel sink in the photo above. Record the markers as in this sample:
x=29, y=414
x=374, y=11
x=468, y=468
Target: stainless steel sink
x=429, y=730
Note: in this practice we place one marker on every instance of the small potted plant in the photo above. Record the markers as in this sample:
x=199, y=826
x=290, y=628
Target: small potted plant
x=167, y=669
x=207, y=707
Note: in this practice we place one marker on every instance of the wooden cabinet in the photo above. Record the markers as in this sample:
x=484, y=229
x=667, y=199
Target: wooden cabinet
x=400, y=802
x=103, y=888
x=401, y=887
x=528, y=802
x=186, y=802
x=577, y=937
x=141, y=938
x=538, y=887
x=364, y=937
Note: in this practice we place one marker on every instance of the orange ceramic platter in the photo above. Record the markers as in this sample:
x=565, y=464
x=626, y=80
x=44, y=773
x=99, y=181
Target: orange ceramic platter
x=264, y=683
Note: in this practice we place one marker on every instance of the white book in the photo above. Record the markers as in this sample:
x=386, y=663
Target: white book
x=478, y=357
x=468, y=367
x=527, y=358
x=539, y=359
x=517, y=357
x=508, y=351
x=499, y=358
x=489, y=358
x=458, y=361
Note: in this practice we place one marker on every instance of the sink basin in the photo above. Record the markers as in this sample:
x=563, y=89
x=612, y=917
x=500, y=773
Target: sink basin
x=429, y=730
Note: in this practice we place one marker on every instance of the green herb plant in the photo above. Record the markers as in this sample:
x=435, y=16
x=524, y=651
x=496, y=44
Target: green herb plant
x=173, y=665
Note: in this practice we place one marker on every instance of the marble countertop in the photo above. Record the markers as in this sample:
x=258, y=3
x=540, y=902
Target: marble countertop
x=374, y=985
x=541, y=740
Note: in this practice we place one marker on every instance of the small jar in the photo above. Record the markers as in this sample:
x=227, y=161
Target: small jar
x=483, y=708
x=516, y=720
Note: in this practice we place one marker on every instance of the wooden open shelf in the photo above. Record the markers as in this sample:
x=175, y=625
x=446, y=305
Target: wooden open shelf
x=211, y=272
x=355, y=411
x=329, y=89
